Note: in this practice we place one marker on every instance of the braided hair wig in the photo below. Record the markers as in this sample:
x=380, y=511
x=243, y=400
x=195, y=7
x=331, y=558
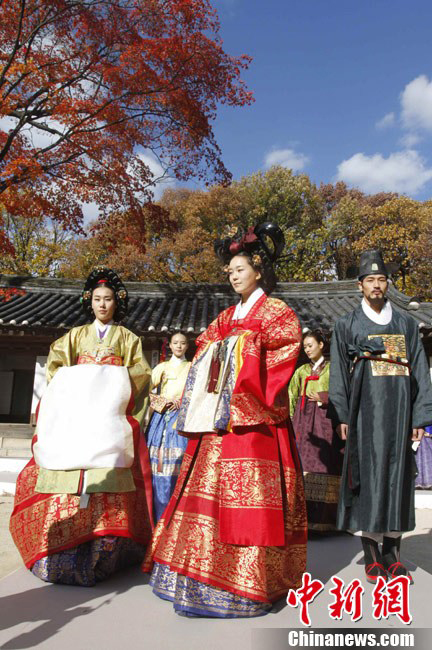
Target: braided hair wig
x=255, y=246
x=103, y=277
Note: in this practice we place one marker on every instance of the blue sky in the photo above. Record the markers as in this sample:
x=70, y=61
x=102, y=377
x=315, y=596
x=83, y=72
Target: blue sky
x=343, y=90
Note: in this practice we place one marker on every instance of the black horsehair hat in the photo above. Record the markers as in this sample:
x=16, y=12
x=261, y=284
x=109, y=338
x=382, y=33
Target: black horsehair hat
x=372, y=263
x=103, y=276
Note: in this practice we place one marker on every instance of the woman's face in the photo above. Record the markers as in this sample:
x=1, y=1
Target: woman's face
x=312, y=348
x=178, y=345
x=242, y=276
x=103, y=304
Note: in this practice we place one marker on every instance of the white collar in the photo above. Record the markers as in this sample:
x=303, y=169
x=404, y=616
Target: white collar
x=242, y=309
x=318, y=363
x=176, y=361
x=383, y=318
x=102, y=327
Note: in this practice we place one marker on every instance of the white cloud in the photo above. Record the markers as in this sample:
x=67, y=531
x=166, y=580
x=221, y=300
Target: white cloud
x=160, y=176
x=90, y=212
x=410, y=139
x=386, y=122
x=416, y=101
x=403, y=172
x=38, y=138
x=286, y=158
x=7, y=123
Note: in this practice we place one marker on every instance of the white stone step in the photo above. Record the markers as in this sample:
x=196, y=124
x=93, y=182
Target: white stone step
x=14, y=465
x=15, y=453
x=8, y=483
x=423, y=499
x=15, y=446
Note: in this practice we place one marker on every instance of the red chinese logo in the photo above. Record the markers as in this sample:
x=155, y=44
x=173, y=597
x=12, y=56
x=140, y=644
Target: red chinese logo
x=305, y=595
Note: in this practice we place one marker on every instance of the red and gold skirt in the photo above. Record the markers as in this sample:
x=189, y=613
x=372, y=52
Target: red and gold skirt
x=44, y=524
x=187, y=538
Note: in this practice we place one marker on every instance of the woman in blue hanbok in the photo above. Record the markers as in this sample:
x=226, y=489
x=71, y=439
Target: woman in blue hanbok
x=166, y=446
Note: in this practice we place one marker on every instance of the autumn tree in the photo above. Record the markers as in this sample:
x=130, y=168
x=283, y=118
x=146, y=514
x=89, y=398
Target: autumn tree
x=421, y=257
x=88, y=90
x=347, y=217
x=186, y=254
x=326, y=229
x=275, y=195
x=119, y=241
x=39, y=246
x=396, y=228
x=179, y=249
x=292, y=201
x=36, y=245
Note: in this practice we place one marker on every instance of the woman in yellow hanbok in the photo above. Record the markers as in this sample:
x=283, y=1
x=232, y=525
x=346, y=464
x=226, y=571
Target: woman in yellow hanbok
x=83, y=502
x=166, y=445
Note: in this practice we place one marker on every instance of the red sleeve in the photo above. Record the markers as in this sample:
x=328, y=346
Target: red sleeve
x=269, y=359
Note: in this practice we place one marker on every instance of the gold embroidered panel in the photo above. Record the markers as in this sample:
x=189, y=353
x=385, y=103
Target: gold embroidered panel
x=321, y=487
x=250, y=483
x=395, y=346
x=247, y=410
x=204, y=481
x=295, y=516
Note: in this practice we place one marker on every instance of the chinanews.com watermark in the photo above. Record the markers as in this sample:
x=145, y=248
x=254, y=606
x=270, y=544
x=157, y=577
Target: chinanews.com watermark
x=390, y=603
x=286, y=639
x=312, y=639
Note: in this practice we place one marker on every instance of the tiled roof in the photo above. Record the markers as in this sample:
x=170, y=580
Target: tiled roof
x=53, y=304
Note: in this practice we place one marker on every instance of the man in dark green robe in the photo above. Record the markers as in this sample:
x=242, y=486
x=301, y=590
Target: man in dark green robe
x=380, y=399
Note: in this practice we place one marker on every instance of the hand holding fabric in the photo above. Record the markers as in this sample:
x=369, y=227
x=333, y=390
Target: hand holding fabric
x=342, y=431
x=417, y=435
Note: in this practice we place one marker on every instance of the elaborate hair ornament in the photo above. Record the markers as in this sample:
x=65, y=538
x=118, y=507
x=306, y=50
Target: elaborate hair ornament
x=230, y=231
x=102, y=275
x=253, y=241
x=263, y=244
x=256, y=260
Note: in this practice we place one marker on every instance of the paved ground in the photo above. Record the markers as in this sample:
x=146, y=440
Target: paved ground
x=10, y=559
x=123, y=612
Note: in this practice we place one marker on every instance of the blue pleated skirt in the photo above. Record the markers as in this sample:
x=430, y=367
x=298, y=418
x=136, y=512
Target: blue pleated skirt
x=166, y=448
x=90, y=562
x=193, y=598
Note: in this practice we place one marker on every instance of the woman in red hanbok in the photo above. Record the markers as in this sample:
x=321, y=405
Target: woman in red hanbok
x=233, y=537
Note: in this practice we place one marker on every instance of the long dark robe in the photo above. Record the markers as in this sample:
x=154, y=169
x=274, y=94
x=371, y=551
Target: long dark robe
x=381, y=402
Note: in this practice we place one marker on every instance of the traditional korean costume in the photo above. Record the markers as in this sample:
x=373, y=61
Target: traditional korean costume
x=380, y=386
x=233, y=537
x=83, y=503
x=319, y=447
x=166, y=446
